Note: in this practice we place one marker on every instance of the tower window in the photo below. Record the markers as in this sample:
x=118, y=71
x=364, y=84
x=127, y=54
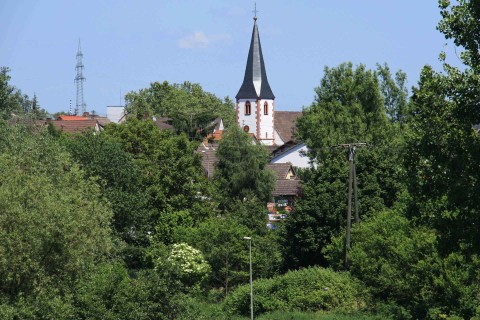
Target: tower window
x=265, y=108
x=248, y=108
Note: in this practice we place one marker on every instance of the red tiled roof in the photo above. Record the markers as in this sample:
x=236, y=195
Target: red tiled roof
x=74, y=126
x=286, y=187
x=71, y=118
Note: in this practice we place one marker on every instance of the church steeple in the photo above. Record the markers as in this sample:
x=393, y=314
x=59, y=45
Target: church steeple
x=255, y=84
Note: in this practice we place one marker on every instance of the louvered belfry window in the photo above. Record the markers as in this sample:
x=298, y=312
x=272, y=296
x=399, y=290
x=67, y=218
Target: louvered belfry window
x=248, y=108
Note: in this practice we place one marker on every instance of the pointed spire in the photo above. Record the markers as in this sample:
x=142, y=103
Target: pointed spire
x=255, y=83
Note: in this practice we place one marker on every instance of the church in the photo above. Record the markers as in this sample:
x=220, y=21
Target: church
x=256, y=114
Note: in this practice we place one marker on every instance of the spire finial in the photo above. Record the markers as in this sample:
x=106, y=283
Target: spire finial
x=255, y=12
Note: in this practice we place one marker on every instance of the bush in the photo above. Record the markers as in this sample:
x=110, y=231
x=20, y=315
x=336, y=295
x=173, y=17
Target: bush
x=311, y=289
x=400, y=265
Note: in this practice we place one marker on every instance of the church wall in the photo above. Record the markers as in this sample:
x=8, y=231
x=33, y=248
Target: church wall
x=247, y=120
x=266, y=133
x=260, y=124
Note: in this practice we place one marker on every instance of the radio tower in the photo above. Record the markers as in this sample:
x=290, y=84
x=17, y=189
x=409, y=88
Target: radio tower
x=79, y=80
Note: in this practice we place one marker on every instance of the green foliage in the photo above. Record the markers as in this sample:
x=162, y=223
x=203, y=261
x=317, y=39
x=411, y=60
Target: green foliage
x=46, y=303
x=394, y=93
x=120, y=179
x=221, y=241
x=171, y=176
x=310, y=289
x=13, y=102
x=401, y=267
x=442, y=157
x=350, y=106
x=240, y=170
x=460, y=22
x=184, y=263
x=282, y=315
x=191, y=108
x=396, y=261
x=110, y=293
x=54, y=225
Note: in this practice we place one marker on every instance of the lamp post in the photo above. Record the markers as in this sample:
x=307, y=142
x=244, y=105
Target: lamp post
x=251, y=282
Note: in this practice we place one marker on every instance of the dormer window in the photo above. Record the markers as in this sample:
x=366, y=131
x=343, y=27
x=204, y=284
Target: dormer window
x=248, y=108
x=265, y=108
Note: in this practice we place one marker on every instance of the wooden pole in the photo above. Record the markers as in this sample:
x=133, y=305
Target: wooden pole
x=349, y=210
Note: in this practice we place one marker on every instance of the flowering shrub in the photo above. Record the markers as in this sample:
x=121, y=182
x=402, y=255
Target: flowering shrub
x=185, y=263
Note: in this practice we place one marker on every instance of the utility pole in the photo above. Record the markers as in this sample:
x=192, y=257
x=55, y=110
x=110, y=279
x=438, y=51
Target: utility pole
x=352, y=184
x=251, y=277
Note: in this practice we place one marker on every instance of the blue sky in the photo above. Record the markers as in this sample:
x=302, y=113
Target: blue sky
x=129, y=44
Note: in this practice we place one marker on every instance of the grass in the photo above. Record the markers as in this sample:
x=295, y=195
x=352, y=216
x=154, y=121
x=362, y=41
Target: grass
x=316, y=315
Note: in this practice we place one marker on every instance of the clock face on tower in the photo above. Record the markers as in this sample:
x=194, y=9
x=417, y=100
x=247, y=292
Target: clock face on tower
x=246, y=129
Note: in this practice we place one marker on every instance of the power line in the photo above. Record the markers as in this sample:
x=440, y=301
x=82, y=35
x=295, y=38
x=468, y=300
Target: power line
x=352, y=183
x=80, y=106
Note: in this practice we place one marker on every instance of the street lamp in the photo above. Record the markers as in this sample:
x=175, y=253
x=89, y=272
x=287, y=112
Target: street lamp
x=251, y=282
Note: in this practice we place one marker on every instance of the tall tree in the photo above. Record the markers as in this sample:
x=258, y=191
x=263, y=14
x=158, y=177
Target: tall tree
x=460, y=22
x=12, y=101
x=444, y=146
x=121, y=182
x=348, y=108
x=394, y=92
x=240, y=170
x=172, y=177
x=54, y=224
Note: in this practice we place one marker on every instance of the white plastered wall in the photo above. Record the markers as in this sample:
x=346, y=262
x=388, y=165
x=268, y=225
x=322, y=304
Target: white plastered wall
x=247, y=120
x=267, y=134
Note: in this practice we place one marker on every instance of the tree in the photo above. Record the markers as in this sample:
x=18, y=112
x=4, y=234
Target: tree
x=191, y=109
x=349, y=107
x=121, y=182
x=240, y=170
x=220, y=239
x=11, y=99
x=109, y=292
x=394, y=93
x=460, y=22
x=443, y=147
x=172, y=177
x=54, y=224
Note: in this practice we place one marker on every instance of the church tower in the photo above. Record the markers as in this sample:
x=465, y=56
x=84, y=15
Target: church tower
x=255, y=99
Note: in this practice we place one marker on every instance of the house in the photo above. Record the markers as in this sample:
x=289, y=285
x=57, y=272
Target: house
x=76, y=126
x=287, y=189
x=116, y=114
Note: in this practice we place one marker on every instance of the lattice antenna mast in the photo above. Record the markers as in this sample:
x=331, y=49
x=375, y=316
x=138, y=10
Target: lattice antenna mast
x=79, y=80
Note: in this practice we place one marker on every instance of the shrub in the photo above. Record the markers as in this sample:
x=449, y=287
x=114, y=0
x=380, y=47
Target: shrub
x=311, y=289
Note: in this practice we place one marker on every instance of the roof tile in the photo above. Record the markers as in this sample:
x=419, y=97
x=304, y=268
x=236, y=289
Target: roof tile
x=285, y=124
